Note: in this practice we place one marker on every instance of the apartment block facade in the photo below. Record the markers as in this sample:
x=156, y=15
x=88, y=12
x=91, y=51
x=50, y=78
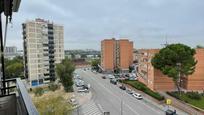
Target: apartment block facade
x=43, y=43
x=116, y=54
x=156, y=80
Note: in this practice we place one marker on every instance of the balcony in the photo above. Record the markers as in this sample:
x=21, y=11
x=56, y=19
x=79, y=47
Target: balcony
x=15, y=100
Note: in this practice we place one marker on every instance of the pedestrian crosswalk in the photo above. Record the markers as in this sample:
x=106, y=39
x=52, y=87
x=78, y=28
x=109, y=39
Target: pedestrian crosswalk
x=90, y=108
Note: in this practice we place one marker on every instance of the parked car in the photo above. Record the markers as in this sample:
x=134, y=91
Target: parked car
x=111, y=76
x=113, y=81
x=79, y=83
x=73, y=101
x=103, y=77
x=122, y=87
x=77, y=77
x=87, y=86
x=170, y=112
x=83, y=90
x=132, y=78
x=129, y=91
x=137, y=95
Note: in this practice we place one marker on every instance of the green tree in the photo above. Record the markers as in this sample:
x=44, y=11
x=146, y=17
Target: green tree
x=14, y=68
x=175, y=61
x=65, y=73
x=95, y=63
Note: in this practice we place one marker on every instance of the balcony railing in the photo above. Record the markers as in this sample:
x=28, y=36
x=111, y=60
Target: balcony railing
x=15, y=100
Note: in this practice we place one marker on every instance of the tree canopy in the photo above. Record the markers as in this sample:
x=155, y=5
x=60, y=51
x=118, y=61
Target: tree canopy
x=14, y=68
x=95, y=63
x=175, y=61
x=65, y=73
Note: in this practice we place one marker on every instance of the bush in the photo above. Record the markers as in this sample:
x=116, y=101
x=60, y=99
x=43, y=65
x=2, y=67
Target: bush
x=191, y=95
x=154, y=94
x=53, y=86
x=142, y=87
x=194, y=95
x=38, y=91
x=174, y=94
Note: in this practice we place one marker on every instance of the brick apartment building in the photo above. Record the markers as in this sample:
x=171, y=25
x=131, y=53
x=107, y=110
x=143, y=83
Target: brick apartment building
x=155, y=80
x=116, y=54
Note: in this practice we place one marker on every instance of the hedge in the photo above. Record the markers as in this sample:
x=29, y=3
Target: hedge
x=142, y=87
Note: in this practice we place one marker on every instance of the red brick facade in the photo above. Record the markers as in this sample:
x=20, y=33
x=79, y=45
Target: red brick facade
x=155, y=80
x=116, y=53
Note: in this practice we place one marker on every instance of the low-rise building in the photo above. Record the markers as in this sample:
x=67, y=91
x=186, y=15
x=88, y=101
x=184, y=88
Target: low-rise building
x=156, y=80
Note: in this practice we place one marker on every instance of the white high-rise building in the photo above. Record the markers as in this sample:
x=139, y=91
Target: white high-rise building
x=43, y=49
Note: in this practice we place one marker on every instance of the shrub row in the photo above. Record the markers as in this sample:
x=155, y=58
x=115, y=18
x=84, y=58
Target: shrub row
x=191, y=95
x=145, y=89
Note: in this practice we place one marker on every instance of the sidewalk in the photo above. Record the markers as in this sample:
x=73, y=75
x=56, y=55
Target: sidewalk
x=158, y=104
x=181, y=105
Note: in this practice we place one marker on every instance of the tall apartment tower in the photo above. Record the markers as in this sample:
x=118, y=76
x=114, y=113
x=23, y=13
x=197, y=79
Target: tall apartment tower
x=116, y=54
x=43, y=43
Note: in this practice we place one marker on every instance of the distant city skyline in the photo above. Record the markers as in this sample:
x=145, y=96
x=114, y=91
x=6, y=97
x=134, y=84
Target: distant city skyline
x=148, y=23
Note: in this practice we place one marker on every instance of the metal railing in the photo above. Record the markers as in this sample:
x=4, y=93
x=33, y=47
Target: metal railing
x=25, y=102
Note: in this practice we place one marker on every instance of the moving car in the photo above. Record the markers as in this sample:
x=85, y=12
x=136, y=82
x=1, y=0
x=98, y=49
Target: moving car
x=137, y=95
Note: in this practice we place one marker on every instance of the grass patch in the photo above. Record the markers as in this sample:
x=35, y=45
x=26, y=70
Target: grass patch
x=53, y=105
x=192, y=98
x=142, y=87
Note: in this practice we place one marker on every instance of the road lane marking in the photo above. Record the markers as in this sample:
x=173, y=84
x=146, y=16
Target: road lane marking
x=90, y=109
x=160, y=112
x=100, y=107
x=108, y=90
x=114, y=95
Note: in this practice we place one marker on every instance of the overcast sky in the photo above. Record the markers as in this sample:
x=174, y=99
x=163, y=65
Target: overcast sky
x=87, y=22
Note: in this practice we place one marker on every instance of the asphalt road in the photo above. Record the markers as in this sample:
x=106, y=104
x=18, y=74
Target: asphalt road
x=109, y=98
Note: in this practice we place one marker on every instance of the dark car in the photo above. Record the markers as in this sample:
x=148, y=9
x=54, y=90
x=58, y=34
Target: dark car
x=170, y=112
x=113, y=81
x=122, y=87
x=103, y=77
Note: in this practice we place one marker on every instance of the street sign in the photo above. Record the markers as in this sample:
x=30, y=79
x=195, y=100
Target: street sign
x=168, y=101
